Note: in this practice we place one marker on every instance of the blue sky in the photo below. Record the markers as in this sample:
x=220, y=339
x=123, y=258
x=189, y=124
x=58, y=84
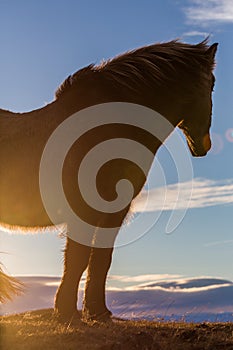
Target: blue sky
x=43, y=42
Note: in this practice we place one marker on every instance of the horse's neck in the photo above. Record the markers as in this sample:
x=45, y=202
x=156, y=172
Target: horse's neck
x=166, y=101
x=6, y=114
x=44, y=113
x=169, y=105
x=163, y=102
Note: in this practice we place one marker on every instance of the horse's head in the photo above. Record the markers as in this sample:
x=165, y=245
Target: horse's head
x=197, y=113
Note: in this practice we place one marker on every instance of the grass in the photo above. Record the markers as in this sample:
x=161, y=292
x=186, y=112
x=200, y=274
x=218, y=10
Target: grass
x=41, y=330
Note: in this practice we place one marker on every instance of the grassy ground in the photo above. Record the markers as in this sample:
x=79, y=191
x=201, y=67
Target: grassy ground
x=41, y=330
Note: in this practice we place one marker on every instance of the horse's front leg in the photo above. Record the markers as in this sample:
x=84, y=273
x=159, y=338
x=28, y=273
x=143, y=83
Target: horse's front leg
x=94, y=305
x=94, y=300
x=76, y=257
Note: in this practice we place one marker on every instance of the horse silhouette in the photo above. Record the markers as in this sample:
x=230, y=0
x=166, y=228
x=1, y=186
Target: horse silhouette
x=174, y=79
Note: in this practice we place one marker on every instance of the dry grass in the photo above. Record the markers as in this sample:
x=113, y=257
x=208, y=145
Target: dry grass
x=41, y=330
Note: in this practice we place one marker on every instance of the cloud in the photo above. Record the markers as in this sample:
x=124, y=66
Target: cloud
x=143, y=278
x=210, y=11
x=196, y=33
x=216, y=243
x=188, y=285
x=189, y=299
x=205, y=193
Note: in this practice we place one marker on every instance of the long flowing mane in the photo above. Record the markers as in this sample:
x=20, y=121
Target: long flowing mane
x=144, y=65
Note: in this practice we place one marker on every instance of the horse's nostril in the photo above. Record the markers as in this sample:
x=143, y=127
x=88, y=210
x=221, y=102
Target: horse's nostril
x=206, y=142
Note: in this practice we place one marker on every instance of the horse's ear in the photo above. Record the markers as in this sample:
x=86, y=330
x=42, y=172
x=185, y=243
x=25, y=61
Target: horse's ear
x=211, y=51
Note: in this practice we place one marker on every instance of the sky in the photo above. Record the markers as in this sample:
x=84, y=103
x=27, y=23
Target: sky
x=44, y=42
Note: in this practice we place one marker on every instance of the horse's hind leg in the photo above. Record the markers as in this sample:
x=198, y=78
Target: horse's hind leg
x=94, y=300
x=76, y=257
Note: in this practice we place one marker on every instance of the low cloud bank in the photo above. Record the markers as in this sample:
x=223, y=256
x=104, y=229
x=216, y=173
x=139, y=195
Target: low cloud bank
x=166, y=297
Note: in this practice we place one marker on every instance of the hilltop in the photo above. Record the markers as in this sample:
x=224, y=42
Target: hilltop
x=41, y=330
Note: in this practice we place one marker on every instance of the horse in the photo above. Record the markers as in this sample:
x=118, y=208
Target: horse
x=173, y=78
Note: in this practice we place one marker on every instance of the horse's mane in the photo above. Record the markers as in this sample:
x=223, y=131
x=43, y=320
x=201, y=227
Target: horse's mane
x=152, y=62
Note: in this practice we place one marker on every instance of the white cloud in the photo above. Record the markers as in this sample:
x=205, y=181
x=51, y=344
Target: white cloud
x=196, y=33
x=143, y=278
x=187, y=285
x=210, y=11
x=205, y=193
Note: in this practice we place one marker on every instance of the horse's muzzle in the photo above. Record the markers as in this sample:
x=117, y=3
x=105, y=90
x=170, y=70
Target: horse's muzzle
x=206, y=142
x=198, y=154
x=200, y=147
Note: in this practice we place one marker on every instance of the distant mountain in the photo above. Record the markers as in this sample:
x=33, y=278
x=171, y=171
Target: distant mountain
x=188, y=299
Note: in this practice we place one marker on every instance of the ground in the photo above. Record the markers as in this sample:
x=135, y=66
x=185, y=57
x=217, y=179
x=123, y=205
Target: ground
x=41, y=330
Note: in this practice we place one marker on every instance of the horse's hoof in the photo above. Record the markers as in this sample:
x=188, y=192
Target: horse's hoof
x=68, y=318
x=105, y=316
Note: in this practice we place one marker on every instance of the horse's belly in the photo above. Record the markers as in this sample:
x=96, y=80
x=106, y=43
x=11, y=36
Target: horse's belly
x=20, y=200
x=23, y=209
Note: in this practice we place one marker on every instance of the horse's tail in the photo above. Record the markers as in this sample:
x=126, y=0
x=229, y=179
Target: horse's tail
x=9, y=287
